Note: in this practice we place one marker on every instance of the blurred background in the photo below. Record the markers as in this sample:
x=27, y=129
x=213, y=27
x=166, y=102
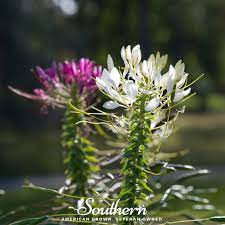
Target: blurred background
x=38, y=32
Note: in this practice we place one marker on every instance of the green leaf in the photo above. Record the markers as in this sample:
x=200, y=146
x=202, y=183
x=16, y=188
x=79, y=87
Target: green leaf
x=48, y=190
x=217, y=218
x=144, y=185
x=91, y=159
x=38, y=220
x=125, y=195
x=23, y=222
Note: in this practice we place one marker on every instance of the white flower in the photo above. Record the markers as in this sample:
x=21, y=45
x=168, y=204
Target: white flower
x=114, y=77
x=153, y=104
x=171, y=79
x=164, y=131
x=109, y=80
x=137, y=78
x=110, y=64
x=175, y=76
x=103, y=81
x=111, y=105
x=144, y=82
x=154, y=65
x=180, y=94
x=131, y=90
x=145, y=67
x=182, y=81
x=136, y=55
x=179, y=67
x=131, y=59
x=157, y=119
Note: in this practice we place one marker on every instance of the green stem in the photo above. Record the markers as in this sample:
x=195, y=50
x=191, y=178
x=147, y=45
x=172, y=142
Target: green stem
x=135, y=188
x=79, y=155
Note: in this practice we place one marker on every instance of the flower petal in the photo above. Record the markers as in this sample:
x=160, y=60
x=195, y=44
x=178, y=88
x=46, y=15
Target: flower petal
x=157, y=78
x=180, y=94
x=100, y=83
x=113, y=93
x=110, y=63
x=146, y=92
x=123, y=53
x=153, y=104
x=136, y=54
x=128, y=53
x=111, y=105
x=39, y=94
x=145, y=67
x=170, y=83
x=182, y=81
x=164, y=80
x=115, y=77
x=157, y=119
x=179, y=67
x=131, y=90
x=105, y=75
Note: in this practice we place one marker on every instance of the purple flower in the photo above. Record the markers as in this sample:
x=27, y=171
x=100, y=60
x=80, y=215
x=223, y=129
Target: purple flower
x=59, y=79
x=40, y=93
x=86, y=73
x=82, y=73
x=48, y=76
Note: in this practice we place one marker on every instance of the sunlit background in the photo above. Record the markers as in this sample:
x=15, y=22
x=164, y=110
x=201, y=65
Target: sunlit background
x=38, y=32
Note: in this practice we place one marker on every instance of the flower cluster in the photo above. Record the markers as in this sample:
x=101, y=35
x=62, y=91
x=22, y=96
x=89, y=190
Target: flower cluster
x=144, y=80
x=59, y=80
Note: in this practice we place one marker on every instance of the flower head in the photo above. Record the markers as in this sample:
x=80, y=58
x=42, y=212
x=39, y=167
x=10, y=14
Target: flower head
x=144, y=82
x=143, y=78
x=59, y=80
